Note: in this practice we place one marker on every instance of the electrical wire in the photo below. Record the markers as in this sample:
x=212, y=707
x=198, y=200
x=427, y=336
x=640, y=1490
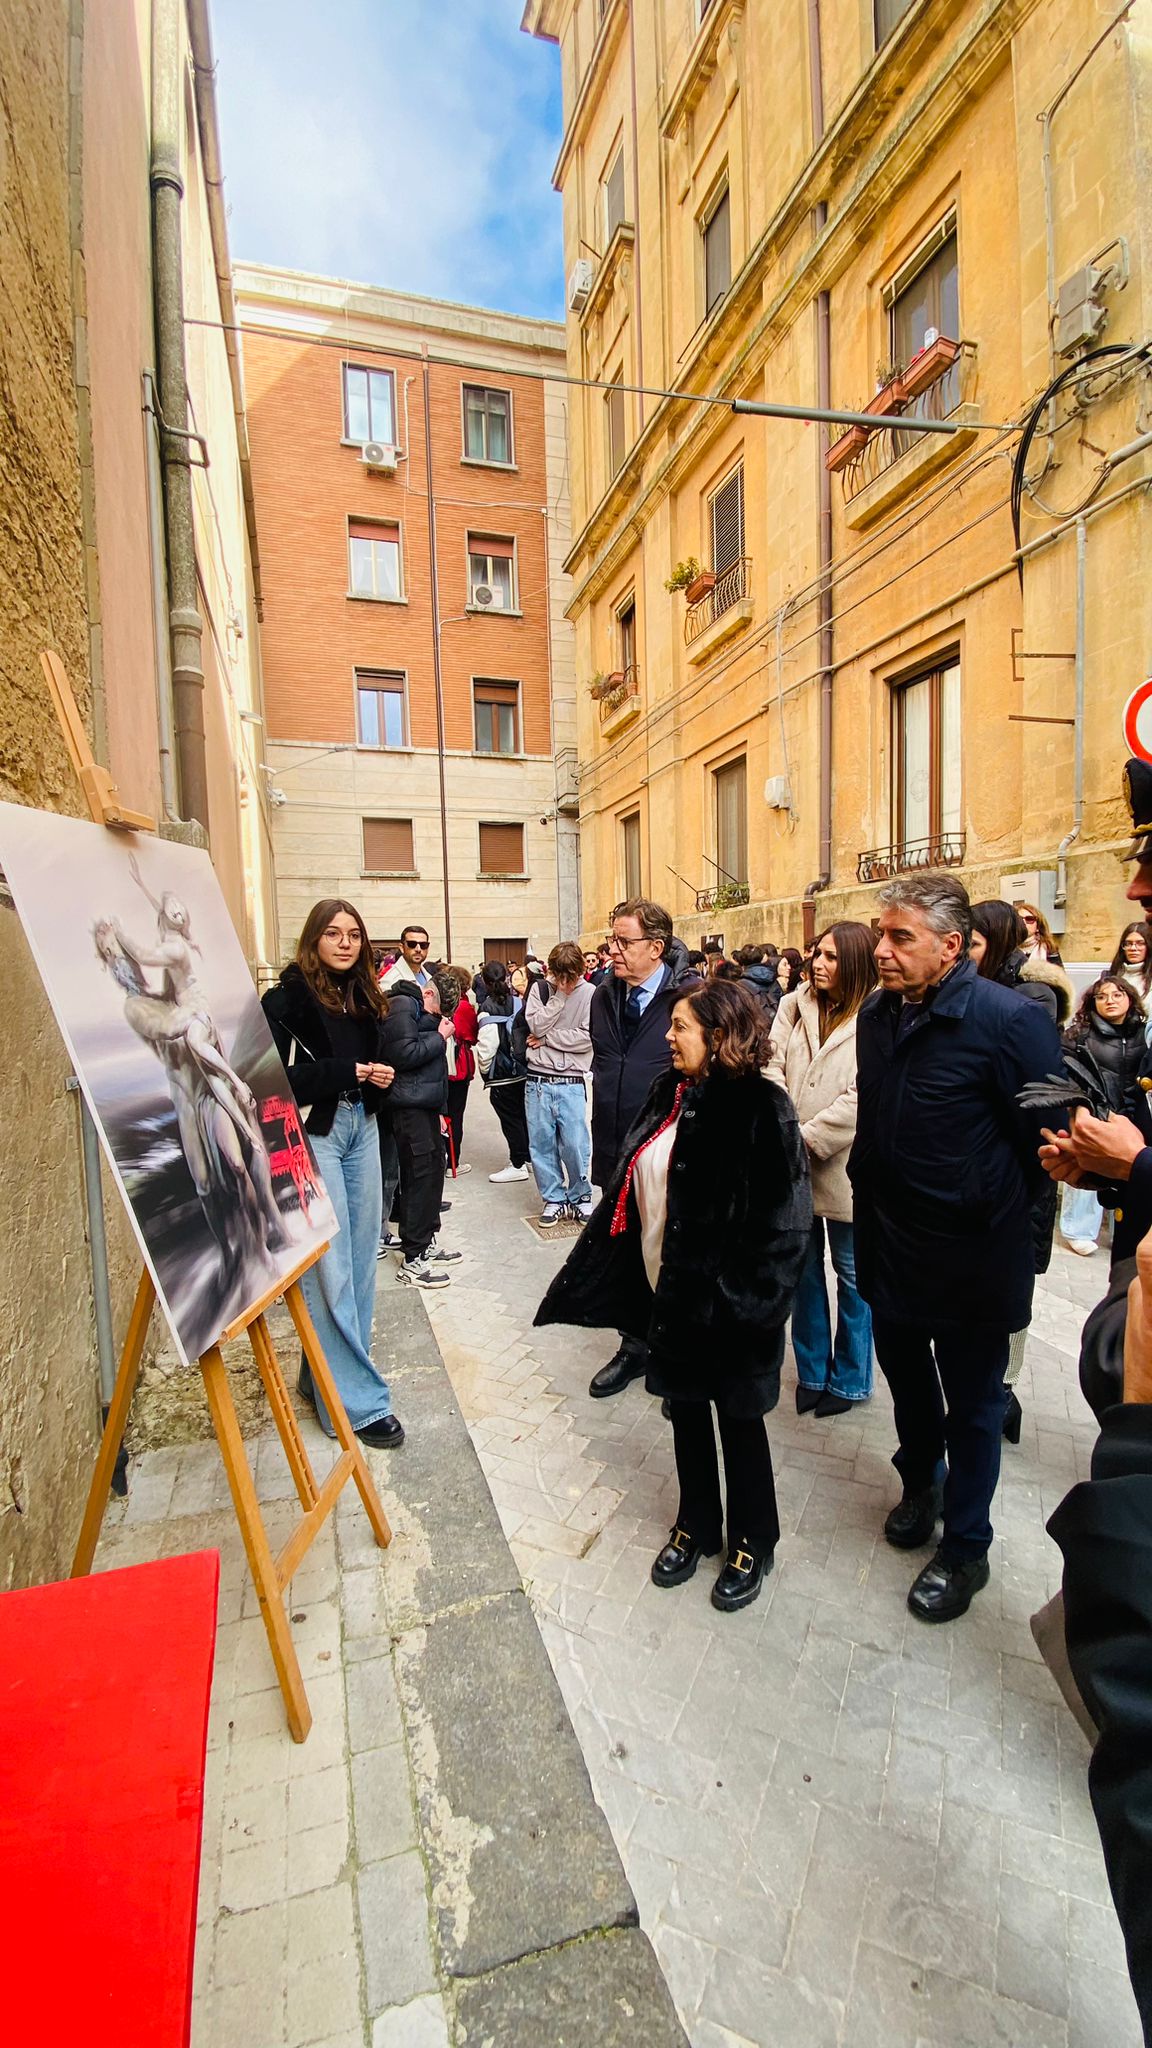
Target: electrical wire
x=1091, y=366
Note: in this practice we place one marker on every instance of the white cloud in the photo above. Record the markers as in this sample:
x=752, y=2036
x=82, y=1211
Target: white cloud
x=393, y=142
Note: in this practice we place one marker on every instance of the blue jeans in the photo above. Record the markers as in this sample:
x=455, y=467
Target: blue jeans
x=846, y=1368
x=1080, y=1213
x=341, y=1290
x=558, y=1137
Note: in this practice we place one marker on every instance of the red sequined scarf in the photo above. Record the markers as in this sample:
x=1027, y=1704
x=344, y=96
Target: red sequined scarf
x=620, y=1212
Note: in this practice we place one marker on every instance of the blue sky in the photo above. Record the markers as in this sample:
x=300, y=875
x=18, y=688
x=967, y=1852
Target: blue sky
x=398, y=142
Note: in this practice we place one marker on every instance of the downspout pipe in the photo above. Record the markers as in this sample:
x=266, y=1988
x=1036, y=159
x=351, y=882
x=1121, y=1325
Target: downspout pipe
x=437, y=672
x=1069, y=839
x=185, y=626
x=825, y=654
x=208, y=124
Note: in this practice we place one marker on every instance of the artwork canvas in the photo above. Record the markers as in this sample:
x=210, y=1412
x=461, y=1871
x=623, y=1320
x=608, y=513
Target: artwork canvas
x=143, y=968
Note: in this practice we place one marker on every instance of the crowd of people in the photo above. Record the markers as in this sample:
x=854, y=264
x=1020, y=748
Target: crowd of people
x=891, y=1100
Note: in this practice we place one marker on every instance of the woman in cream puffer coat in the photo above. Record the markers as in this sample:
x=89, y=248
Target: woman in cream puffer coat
x=814, y=1058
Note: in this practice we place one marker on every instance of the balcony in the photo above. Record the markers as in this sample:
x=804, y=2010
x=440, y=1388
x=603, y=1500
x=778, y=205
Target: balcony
x=894, y=461
x=722, y=611
x=725, y=896
x=907, y=857
x=620, y=701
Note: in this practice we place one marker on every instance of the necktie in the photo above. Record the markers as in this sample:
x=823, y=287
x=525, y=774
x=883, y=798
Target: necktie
x=631, y=1015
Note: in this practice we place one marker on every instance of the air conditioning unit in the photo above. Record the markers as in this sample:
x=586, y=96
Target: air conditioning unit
x=580, y=284
x=483, y=594
x=379, y=455
x=777, y=794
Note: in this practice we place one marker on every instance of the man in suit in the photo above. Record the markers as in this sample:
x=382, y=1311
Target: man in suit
x=629, y=1021
x=944, y=1172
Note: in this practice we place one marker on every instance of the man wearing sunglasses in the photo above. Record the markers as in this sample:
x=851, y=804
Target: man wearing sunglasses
x=412, y=964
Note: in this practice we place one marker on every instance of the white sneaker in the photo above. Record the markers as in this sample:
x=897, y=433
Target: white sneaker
x=552, y=1212
x=441, y=1254
x=510, y=1172
x=1085, y=1246
x=463, y=1167
x=582, y=1210
x=418, y=1273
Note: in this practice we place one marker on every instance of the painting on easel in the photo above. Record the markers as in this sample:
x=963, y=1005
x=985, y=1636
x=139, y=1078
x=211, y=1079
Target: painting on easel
x=143, y=968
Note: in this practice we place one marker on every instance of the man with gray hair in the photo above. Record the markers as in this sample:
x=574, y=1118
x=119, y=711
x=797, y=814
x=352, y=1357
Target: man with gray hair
x=943, y=1173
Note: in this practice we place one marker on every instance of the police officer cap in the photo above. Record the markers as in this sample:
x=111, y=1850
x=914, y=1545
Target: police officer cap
x=1138, y=795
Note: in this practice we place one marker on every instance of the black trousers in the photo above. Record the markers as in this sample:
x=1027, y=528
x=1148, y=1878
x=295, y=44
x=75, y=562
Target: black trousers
x=748, y=1480
x=457, y=1102
x=948, y=1393
x=507, y=1099
x=420, y=1149
x=389, y=1169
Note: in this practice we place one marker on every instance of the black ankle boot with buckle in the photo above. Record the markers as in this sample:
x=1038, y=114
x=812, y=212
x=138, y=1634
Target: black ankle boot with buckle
x=742, y=1577
x=679, y=1558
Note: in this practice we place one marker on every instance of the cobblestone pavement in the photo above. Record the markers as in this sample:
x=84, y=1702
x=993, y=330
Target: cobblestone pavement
x=841, y=1826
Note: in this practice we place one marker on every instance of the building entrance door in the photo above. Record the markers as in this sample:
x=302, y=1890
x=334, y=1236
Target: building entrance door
x=513, y=951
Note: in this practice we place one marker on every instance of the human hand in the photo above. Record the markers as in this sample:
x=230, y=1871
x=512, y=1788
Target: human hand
x=1138, y=1329
x=534, y=1041
x=1108, y=1148
x=363, y=1071
x=444, y=1028
x=380, y=1075
x=1059, y=1161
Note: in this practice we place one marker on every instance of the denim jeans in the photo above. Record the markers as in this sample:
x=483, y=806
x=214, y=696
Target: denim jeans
x=557, y=1114
x=1080, y=1213
x=846, y=1367
x=341, y=1290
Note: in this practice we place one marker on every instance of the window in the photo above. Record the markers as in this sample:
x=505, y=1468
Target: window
x=731, y=789
x=388, y=846
x=614, y=423
x=491, y=570
x=889, y=14
x=726, y=517
x=926, y=750
x=487, y=424
x=614, y=195
x=497, y=717
x=630, y=855
x=502, y=850
x=923, y=300
x=626, y=625
x=717, y=234
x=380, y=720
x=369, y=405
x=373, y=560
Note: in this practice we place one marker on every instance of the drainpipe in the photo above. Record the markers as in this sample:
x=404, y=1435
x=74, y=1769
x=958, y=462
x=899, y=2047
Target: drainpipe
x=824, y=522
x=434, y=590
x=1061, y=896
x=185, y=626
x=151, y=410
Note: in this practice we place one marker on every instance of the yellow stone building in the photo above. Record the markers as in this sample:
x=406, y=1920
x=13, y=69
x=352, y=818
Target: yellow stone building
x=906, y=647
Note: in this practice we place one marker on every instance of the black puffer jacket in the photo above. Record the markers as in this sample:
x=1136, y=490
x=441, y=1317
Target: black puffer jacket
x=411, y=1041
x=622, y=1073
x=738, y=1224
x=1119, y=1052
x=299, y=1027
x=761, y=981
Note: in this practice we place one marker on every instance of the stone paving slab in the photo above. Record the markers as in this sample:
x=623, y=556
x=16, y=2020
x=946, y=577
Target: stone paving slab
x=840, y=1826
x=609, y=1991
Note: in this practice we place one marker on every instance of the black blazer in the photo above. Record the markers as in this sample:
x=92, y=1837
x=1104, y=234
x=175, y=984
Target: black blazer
x=623, y=1074
x=297, y=1023
x=737, y=1230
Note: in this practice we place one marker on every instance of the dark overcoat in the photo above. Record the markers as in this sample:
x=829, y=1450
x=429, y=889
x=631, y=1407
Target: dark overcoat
x=299, y=1027
x=412, y=1043
x=623, y=1072
x=944, y=1166
x=737, y=1230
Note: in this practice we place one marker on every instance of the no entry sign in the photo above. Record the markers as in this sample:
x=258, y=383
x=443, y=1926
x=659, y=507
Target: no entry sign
x=1138, y=722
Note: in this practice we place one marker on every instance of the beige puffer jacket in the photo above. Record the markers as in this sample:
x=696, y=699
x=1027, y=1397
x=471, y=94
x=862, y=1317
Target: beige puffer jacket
x=821, y=1079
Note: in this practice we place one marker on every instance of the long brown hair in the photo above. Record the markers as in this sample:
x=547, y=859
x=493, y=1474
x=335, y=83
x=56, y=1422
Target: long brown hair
x=856, y=972
x=733, y=1022
x=364, y=991
x=1042, y=933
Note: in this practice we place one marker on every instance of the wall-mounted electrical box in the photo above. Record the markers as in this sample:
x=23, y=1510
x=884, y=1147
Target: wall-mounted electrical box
x=1038, y=886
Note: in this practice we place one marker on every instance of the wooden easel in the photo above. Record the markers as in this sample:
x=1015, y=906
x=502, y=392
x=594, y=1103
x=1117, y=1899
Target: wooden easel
x=270, y=1573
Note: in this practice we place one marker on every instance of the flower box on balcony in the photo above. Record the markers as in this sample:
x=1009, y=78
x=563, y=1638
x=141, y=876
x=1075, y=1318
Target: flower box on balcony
x=700, y=586
x=841, y=453
x=889, y=398
x=601, y=686
x=929, y=364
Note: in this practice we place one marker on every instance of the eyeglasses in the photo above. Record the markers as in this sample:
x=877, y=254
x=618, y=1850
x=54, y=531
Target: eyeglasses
x=1027, y=919
x=417, y=945
x=615, y=940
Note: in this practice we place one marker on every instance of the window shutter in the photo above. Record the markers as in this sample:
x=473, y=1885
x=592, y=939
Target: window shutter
x=732, y=821
x=728, y=522
x=373, y=529
x=388, y=846
x=614, y=196
x=717, y=254
x=502, y=849
x=498, y=546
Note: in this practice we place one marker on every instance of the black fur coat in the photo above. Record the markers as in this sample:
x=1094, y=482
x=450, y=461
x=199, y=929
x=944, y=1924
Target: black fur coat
x=739, y=1218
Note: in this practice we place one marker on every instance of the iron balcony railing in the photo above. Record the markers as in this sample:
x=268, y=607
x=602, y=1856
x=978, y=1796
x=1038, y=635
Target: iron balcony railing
x=880, y=863
x=614, y=699
x=886, y=446
x=730, y=586
x=723, y=896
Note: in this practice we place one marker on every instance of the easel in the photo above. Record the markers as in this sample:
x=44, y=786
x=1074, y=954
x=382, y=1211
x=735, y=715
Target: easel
x=270, y=1573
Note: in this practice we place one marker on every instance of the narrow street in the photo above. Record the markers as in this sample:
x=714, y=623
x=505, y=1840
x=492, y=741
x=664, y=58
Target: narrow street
x=841, y=1826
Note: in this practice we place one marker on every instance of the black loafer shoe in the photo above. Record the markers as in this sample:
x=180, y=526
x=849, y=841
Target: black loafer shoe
x=679, y=1558
x=944, y=1588
x=741, y=1579
x=616, y=1375
x=383, y=1435
x=912, y=1523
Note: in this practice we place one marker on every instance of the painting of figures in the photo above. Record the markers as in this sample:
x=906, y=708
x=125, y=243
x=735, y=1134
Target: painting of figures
x=145, y=973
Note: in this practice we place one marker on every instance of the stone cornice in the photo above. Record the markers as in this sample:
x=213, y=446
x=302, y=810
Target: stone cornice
x=700, y=66
x=610, y=31
x=900, y=157
x=621, y=246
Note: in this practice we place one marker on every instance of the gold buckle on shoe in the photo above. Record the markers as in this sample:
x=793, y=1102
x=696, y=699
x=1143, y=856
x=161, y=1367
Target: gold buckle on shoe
x=742, y=1562
x=676, y=1544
